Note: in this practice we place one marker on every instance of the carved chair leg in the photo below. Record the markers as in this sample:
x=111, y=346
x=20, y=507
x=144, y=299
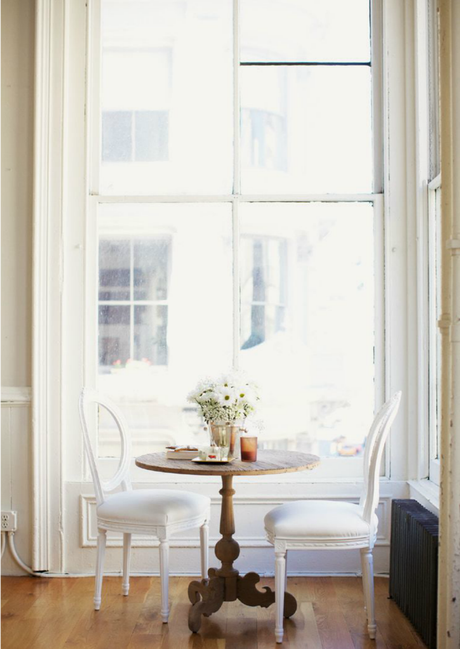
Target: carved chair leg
x=126, y=562
x=280, y=574
x=164, y=575
x=286, y=573
x=367, y=563
x=204, y=549
x=101, y=543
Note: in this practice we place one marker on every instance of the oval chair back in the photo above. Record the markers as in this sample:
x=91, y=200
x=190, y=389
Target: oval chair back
x=89, y=396
x=376, y=439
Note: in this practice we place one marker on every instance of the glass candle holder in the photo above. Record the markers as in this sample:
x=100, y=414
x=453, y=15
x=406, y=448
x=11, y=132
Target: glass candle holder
x=234, y=431
x=248, y=448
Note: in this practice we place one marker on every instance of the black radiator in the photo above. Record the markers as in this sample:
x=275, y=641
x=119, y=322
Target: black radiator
x=414, y=565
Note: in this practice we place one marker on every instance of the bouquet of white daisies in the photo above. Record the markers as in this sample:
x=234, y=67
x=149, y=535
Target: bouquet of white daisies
x=230, y=397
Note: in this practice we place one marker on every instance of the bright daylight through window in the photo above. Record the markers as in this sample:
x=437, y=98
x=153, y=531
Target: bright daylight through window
x=236, y=219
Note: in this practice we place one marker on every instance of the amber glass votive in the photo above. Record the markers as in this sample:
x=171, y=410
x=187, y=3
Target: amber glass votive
x=248, y=448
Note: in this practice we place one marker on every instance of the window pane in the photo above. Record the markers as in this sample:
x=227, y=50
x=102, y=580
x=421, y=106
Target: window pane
x=306, y=129
x=117, y=141
x=114, y=336
x=306, y=30
x=150, y=329
x=307, y=322
x=182, y=320
x=167, y=68
x=151, y=269
x=263, y=288
x=151, y=135
x=114, y=270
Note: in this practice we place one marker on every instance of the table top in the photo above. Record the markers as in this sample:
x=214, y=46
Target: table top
x=267, y=462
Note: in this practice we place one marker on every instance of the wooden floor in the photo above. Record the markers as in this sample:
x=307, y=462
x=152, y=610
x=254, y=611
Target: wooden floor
x=55, y=613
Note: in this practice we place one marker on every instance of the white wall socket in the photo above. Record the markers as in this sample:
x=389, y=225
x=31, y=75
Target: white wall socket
x=9, y=522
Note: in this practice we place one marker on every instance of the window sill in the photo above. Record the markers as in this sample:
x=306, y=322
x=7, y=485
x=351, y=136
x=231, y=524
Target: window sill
x=426, y=493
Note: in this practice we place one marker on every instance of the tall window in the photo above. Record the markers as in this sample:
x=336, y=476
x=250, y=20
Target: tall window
x=237, y=224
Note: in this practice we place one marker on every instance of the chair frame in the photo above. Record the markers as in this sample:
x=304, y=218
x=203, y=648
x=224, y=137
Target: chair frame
x=121, y=479
x=377, y=437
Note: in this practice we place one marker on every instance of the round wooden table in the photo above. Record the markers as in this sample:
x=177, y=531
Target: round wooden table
x=225, y=583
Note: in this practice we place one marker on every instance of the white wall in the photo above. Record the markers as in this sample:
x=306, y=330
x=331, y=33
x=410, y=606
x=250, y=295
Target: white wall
x=18, y=26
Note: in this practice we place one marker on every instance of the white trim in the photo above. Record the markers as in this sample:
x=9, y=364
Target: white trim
x=236, y=285
x=16, y=396
x=196, y=573
x=236, y=99
x=379, y=307
x=398, y=354
x=41, y=283
x=435, y=472
x=93, y=99
x=377, y=92
x=425, y=492
x=421, y=458
x=50, y=181
x=243, y=198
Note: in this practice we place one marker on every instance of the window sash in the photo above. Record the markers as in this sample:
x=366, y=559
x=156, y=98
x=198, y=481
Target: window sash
x=331, y=467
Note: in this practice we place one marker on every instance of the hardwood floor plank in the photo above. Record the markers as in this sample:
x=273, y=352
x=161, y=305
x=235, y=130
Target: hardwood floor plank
x=241, y=628
x=58, y=613
x=306, y=634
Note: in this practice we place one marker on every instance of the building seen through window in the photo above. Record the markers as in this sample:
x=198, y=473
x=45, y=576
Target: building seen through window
x=190, y=250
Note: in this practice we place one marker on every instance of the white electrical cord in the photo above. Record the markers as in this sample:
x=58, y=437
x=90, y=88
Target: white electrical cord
x=14, y=553
x=8, y=539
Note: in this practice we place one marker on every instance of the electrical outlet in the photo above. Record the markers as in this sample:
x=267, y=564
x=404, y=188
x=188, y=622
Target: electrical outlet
x=9, y=522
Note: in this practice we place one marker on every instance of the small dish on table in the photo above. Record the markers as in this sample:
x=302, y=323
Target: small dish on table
x=209, y=460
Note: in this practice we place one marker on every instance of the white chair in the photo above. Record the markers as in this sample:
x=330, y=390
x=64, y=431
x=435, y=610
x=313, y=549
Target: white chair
x=327, y=524
x=154, y=512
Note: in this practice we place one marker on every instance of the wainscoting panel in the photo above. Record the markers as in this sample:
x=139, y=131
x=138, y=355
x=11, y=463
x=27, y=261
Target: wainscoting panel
x=17, y=472
x=250, y=509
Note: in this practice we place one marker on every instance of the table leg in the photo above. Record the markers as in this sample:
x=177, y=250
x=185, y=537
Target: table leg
x=225, y=584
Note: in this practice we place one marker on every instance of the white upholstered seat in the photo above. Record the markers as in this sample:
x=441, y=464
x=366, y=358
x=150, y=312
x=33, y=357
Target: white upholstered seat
x=320, y=521
x=152, y=507
x=327, y=524
x=156, y=512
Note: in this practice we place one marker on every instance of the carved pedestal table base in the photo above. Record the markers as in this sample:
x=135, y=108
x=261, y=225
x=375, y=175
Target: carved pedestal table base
x=225, y=584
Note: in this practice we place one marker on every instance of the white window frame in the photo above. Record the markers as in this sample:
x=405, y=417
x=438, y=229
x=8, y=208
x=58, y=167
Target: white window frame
x=62, y=242
x=424, y=473
x=330, y=467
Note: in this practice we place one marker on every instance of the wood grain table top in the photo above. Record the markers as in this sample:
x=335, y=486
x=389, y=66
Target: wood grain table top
x=267, y=462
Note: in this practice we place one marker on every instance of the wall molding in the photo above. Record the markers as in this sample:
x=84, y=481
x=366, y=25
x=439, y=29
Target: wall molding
x=16, y=396
x=47, y=280
x=88, y=531
x=41, y=296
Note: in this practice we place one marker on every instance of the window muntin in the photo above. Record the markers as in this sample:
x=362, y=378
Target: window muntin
x=262, y=162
